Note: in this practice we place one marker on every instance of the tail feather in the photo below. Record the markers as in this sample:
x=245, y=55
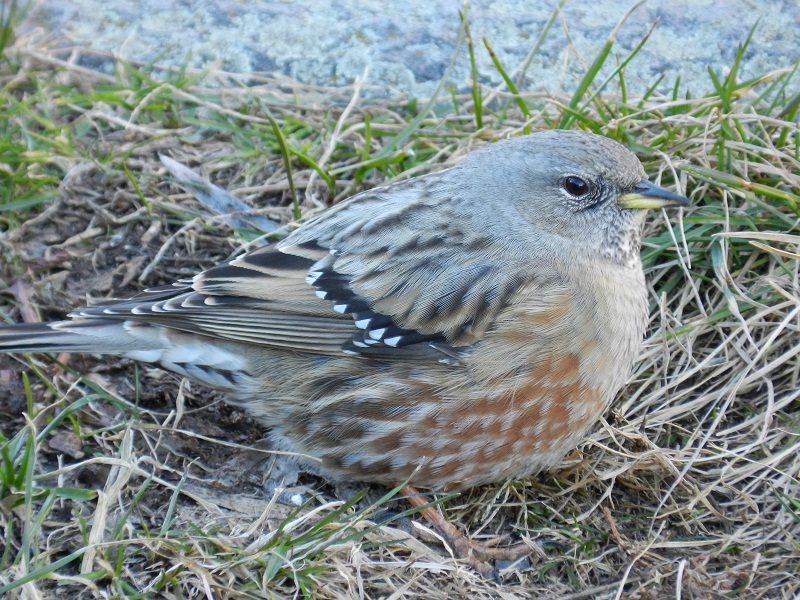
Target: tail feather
x=37, y=337
x=96, y=336
x=194, y=356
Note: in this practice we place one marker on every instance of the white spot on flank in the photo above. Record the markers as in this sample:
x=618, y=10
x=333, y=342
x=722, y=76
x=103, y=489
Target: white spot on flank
x=340, y=308
x=312, y=277
x=322, y=294
x=363, y=323
x=393, y=341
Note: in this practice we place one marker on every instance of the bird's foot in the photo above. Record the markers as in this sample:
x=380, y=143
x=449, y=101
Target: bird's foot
x=481, y=556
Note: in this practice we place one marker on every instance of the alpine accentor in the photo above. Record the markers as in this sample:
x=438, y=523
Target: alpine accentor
x=463, y=327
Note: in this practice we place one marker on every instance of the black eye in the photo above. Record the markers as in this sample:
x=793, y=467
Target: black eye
x=575, y=186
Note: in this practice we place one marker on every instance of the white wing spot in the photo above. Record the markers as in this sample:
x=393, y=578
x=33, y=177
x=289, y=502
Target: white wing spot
x=377, y=334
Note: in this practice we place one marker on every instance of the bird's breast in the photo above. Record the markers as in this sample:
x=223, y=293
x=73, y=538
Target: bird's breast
x=523, y=396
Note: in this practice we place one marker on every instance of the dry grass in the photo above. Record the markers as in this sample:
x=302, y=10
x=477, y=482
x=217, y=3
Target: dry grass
x=121, y=481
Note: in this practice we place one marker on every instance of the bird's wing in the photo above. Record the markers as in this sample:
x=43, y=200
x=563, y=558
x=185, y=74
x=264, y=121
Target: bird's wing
x=261, y=298
x=395, y=280
x=412, y=266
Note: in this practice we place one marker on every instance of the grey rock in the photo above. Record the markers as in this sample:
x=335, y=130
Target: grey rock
x=408, y=46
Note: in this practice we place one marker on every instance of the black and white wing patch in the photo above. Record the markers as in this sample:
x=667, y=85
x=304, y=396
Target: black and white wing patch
x=375, y=329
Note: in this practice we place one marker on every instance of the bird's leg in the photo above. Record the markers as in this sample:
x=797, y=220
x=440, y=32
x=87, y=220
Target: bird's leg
x=479, y=555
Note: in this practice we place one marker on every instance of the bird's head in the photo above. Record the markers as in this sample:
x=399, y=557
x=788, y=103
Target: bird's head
x=586, y=189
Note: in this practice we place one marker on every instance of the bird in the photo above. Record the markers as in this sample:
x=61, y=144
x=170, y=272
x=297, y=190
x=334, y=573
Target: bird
x=455, y=329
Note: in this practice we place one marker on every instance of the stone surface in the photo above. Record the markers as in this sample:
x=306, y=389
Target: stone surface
x=408, y=45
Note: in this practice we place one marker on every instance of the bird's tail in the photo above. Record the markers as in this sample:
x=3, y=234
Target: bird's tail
x=96, y=336
x=211, y=362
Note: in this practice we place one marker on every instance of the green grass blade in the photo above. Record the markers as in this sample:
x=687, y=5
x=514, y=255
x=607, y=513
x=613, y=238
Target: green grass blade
x=746, y=188
x=569, y=116
x=510, y=83
x=287, y=159
x=475, y=89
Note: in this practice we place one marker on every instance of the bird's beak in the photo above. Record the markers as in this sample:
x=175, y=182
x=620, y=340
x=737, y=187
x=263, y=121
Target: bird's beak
x=647, y=195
